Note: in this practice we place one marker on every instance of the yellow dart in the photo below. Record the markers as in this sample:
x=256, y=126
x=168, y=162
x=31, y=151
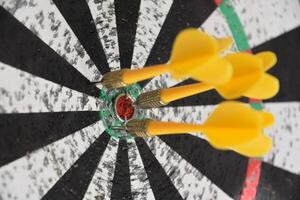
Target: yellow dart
x=231, y=124
x=194, y=54
x=266, y=87
x=234, y=123
x=247, y=70
x=268, y=118
x=225, y=43
x=256, y=147
x=249, y=79
x=268, y=58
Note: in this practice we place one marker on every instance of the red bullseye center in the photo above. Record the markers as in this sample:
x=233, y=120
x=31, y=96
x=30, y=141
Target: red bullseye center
x=124, y=108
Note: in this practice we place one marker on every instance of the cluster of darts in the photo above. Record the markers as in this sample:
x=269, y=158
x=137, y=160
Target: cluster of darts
x=199, y=56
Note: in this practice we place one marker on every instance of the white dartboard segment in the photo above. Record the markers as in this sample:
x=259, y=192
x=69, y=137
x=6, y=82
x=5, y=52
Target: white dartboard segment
x=161, y=81
x=25, y=93
x=152, y=15
x=217, y=26
x=140, y=186
x=286, y=136
x=268, y=19
x=103, y=13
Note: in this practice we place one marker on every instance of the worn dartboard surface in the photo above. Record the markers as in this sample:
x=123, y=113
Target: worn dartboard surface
x=53, y=144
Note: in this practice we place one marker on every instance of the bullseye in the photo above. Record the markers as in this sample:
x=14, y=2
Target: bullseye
x=124, y=107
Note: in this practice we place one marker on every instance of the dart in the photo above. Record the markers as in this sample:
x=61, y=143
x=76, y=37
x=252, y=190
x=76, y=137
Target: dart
x=195, y=54
x=260, y=145
x=249, y=79
x=232, y=125
x=257, y=147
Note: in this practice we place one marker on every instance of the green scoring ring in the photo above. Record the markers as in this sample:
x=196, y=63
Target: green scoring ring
x=107, y=113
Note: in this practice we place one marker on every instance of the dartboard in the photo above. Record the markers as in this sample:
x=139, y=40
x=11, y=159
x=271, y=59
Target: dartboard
x=54, y=143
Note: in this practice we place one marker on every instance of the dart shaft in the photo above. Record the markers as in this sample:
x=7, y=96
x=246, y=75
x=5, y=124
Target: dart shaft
x=162, y=97
x=164, y=128
x=171, y=94
x=148, y=128
x=133, y=76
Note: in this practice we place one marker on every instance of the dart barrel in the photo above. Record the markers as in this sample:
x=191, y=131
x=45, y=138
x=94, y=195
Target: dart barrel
x=113, y=79
x=138, y=128
x=149, y=100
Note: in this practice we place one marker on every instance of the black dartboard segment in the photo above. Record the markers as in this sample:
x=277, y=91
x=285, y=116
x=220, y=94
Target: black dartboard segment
x=77, y=14
x=277, y=184
x=288, y=64
x=30, y=131
x=226, y=169
x=121, y=182
x=127, y=12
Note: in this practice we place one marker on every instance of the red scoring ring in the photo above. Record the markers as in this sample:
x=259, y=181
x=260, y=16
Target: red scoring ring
x=124, y=108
